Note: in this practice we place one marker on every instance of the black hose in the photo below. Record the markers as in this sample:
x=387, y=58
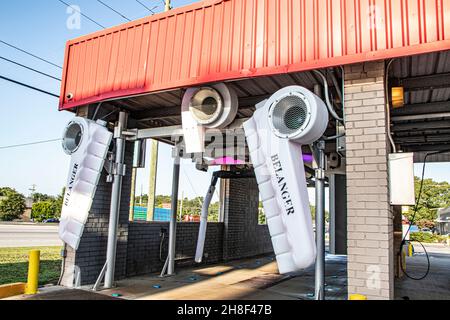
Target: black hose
x=413, y=220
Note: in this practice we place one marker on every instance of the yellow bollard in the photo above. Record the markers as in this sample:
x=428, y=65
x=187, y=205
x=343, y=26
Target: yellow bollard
x=33, y=272
x=357, y=297
x=410, y=250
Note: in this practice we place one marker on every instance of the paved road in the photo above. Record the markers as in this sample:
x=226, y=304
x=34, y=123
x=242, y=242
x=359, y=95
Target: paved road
x=12, y=236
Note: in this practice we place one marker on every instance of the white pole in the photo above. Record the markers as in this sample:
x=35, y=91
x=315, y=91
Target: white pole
x=115, y=201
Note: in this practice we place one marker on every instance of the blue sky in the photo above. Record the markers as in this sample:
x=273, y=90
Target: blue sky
x=27, y=116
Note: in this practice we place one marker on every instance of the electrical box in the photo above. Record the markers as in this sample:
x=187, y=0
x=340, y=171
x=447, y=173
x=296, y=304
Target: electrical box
x=401, y=179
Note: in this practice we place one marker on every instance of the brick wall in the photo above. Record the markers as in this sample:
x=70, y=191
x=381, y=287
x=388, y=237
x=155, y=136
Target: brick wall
x=240, y=235
x=138, y=247
x=91, y=254
x=144, y=243
x=370, y=218
x=244, y=237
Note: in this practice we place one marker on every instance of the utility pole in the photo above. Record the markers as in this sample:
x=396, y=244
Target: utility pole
x=33, y=190
x=133, y=193
x=154, y=162
x=168, y=5
x=152, y=185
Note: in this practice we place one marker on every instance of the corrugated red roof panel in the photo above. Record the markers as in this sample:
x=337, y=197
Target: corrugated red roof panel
x=219, y=40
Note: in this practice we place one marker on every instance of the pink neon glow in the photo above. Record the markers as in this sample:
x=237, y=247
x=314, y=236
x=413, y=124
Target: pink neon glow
x=227, y=161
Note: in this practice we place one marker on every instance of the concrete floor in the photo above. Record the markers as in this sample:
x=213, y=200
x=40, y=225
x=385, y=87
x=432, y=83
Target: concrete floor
x=258, y=279
x=437, y=284
x=253, y=279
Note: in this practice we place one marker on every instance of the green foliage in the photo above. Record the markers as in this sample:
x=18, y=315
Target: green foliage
x=425, y=223
x=427, y=237
x=41, y=197
x=58, y=203
x=49, y=208
x=193, y=207
x=435, y=195
x=12, y=204
x=42, y=211
x=5, y=191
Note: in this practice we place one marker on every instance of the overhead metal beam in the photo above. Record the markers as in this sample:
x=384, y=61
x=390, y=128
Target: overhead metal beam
x=423, y=108
x=420, y=133
x=421, y=117
x=442, y=138
x=423, y=125
x=435, y=81
x=427, y=147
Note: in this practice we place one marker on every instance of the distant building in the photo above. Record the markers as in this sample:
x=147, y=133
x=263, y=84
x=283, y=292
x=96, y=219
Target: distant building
x=28, y=208
x=443, y=221
x=166, y=206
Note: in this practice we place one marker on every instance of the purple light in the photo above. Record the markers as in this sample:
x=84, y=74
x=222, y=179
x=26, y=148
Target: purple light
x=227, y=161
x=308, y=158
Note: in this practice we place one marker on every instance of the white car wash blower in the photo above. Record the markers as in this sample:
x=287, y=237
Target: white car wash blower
x=88, y=143
x=205, y=108
x=292, y=117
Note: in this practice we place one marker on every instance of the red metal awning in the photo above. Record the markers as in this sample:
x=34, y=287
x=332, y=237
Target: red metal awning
x=220, y=40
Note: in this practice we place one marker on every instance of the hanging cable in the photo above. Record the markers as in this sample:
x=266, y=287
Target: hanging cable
x=413, y=221
x=29, y=87
x=327, y=97
x=149, y=9
x=114, y=10
x=30, y=54
x=388, y=107
x=29, y=144
x=87, y=17
x=29, y=68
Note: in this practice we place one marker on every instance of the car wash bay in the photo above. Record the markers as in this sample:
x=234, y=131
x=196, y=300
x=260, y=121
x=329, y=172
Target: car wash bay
x=255, y=63
x=240, y=235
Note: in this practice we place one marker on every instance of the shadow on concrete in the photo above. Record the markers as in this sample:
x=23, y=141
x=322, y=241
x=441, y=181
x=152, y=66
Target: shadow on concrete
x=251, y=279
x=437, y=284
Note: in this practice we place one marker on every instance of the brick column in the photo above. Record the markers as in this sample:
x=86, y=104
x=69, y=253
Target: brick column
x=243, y=236
x=370, y=218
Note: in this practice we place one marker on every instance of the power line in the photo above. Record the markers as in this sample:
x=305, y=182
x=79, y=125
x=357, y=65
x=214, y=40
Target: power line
x=29, y=87
x=149, y=9
x=114, y=10
x=30, y=54
x=28, y=144
x=29, y=68
x=87, y=17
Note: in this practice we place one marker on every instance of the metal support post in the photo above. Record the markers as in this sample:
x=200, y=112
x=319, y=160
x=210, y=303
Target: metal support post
x=173, y=218
x=320, y=220
x=119, y=172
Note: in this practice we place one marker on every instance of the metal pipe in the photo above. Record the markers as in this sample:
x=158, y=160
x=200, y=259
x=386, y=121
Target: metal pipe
x=388, y=107
x=204, y=220
x=115, y=200
x=327, y=97
x=320, y=221
x=173, y=218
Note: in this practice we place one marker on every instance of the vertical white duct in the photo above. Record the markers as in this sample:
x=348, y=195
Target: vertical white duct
x=292, y=117
x=87, y=142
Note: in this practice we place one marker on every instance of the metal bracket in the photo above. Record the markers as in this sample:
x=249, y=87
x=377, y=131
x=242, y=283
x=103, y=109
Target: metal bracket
x=320, y=174
x=119, y=169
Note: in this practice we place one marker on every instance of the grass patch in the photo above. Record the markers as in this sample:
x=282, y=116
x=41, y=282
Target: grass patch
x=14, y=265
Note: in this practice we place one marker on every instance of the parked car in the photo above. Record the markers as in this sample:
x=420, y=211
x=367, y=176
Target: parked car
x=414, y=229
x=427, y=230
x=53, y=220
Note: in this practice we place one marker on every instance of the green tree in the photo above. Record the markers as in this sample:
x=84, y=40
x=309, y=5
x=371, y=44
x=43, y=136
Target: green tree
x=435, y=195
x=40, y=197
x=58, y=203
x=12, y=204
x=43, y=210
